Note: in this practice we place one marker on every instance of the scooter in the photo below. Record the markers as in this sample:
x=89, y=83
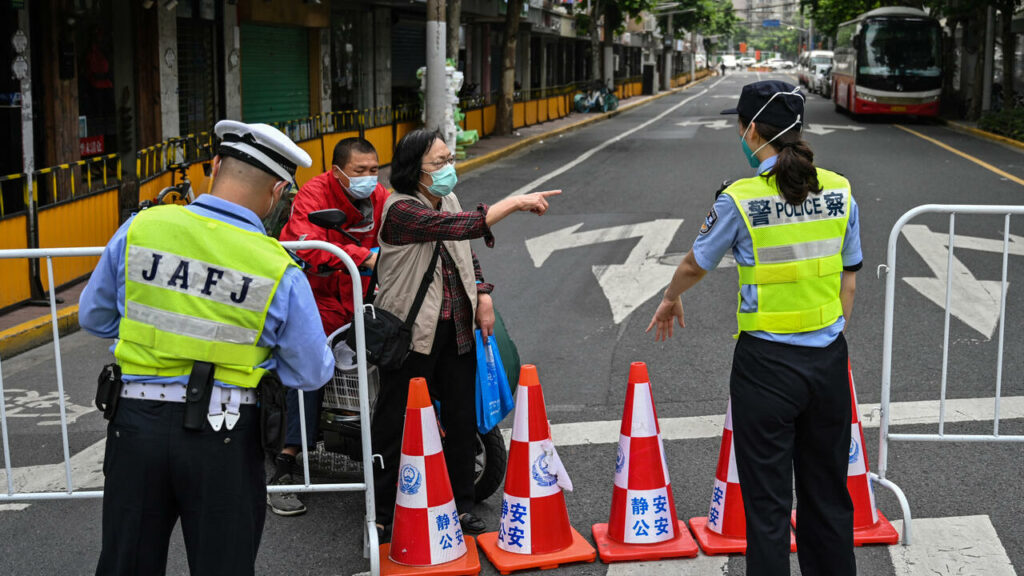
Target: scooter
x=597, y=99
x=339, y=419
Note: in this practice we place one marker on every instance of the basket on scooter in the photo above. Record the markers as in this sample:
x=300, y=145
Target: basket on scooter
x=340, y=416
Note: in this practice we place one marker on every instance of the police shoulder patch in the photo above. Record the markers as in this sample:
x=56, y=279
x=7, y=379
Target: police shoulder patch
x=709, y=221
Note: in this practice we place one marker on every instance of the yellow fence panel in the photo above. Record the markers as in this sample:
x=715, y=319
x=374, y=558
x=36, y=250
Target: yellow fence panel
x=531, y=112
x=381, y=140
x=542, y=110
x=475, y=121
x=150, y=188
x=89, y=221
x=316, y=153
x=490, y=116
x=404, y=128
x=14, y=286
x=518, y=115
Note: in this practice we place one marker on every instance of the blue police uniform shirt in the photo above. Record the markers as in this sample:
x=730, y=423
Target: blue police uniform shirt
x=301, y=358
x=730, y=232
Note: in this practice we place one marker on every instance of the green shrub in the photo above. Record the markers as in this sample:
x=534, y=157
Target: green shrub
x=1009, y=123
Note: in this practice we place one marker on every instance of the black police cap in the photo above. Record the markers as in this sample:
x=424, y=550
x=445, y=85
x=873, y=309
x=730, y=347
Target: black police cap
x=781, y=112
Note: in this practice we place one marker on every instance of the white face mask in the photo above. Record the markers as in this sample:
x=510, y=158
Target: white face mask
x=795, y=92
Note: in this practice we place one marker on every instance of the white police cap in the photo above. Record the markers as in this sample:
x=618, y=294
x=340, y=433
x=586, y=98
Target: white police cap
x=262, y=146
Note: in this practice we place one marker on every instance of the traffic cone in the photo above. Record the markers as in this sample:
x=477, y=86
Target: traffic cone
x=642, y=524
x=427, y=536
x=870, y=526
x=724, y=529
x=534, y=530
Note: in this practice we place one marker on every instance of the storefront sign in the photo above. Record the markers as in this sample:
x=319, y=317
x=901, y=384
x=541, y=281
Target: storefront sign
x=91, y=146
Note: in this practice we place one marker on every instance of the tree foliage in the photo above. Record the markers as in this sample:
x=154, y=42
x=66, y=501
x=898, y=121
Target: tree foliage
x=709, y=18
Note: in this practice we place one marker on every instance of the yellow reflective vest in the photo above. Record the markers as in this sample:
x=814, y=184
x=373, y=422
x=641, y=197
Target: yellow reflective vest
x=196, y=289
x=797, y=254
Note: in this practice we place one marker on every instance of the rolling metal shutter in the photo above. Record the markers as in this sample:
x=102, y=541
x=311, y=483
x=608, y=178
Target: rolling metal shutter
x=275, y=73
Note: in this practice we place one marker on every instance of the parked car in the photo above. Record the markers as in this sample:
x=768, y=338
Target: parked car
x=821, y=80
x=747, y=61
x=807, y=63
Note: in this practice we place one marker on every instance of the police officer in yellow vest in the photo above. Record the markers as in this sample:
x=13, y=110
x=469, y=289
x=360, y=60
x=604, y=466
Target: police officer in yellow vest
x=794, y=232
x=210, y=316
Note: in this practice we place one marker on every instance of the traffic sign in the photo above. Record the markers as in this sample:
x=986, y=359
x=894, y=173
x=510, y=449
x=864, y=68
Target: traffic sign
x=771, y=23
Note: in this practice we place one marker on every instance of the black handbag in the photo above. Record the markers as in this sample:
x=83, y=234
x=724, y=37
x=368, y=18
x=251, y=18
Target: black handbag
x=388, y=337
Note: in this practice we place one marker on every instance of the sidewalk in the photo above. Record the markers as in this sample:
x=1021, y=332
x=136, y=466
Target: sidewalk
x=29, y=326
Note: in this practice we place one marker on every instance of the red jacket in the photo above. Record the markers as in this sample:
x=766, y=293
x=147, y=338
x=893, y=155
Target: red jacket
x=333, y=292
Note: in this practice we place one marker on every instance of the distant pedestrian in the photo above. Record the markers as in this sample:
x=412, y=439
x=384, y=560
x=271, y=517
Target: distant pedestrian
x=721, y=66
x=795, y=234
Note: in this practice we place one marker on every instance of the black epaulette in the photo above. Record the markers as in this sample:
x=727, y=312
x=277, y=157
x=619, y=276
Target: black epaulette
x=725, y=184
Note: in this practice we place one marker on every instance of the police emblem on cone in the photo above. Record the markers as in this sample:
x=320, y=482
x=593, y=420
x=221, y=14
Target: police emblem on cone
x=427, y=537
x=642, y=524
x=870, y=526
x=724, y=529
x=534, y=530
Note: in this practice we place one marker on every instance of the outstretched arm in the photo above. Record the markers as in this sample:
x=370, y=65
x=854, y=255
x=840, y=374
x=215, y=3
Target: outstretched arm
x=671, y=308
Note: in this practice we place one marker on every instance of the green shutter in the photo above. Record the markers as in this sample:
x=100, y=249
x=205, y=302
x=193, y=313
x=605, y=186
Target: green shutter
x=275, y=73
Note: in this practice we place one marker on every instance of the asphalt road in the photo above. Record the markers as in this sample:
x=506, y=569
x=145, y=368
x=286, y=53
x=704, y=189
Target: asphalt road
x=577, y=302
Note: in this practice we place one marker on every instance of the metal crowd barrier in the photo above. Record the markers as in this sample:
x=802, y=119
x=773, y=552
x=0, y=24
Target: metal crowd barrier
x=889, y=269
x=370, y=543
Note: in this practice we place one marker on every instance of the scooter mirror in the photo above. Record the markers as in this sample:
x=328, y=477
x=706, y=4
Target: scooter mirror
x=332, y=218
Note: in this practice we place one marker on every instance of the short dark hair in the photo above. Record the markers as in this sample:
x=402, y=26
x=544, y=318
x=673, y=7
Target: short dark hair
x=407, y=161
x=343, y=150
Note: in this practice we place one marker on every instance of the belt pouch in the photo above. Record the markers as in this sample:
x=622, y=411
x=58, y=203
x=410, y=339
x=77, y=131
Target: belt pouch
x=197, y=395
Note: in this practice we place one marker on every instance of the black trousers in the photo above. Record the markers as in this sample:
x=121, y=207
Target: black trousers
x=451, y=378
x=157, y=472
x=791, y=413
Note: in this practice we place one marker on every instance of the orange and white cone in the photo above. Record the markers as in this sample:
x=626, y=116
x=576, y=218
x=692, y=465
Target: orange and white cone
x=534, y=530
x=642, y=524
x=870, y=526
x=724, y=529
x=427, y=537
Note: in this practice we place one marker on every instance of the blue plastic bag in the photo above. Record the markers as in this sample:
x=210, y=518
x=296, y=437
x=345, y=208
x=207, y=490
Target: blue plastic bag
x=493, y=395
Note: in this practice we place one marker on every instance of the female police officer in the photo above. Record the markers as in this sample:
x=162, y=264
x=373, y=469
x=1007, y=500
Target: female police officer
x=793, y=230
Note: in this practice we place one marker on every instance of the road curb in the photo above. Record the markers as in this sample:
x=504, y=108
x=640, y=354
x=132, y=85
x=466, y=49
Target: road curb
x=991, y=136
x=475, y=163
x=35, y=332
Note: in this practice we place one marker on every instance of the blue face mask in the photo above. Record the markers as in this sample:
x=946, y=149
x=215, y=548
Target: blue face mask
x=444, y=181
x=360, y=187
x=751, y=157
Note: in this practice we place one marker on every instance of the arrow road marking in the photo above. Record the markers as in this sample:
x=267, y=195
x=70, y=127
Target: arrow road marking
x=974, y=302
x=823, y=129
x=625, y=285
x=716, y=124
x=86, y=472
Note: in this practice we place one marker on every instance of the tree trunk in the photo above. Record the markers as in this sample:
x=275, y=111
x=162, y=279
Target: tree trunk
x=974, y=109
x=608, y=51
x=506, y=104
x=453, y=25
x=1009, y=45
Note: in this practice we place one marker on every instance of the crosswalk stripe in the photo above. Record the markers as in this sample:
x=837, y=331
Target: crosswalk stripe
x=696, y=427
x=700, y=566
x=954, y=545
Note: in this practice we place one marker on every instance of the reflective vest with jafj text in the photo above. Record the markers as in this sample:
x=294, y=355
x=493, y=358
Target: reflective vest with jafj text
x=196, y=289
x=798, y=260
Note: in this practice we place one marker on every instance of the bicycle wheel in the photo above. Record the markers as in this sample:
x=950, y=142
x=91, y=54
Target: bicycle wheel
x=172, y=195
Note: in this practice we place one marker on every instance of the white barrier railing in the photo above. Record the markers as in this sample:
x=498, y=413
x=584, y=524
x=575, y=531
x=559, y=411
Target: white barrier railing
x=889, y=269
x=370, y=543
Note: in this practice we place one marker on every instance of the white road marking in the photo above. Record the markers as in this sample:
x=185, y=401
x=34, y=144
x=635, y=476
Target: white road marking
x=583, y=157
x=951, y=547
x=86, y=472
x=974, y=302
x=823, y=129
x=13, y=507
x=700, y=566
x=697, y=427
x=715, y=124
x=626, y=285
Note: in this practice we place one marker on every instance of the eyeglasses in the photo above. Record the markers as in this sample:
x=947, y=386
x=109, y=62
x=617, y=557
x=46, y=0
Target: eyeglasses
x=438, y=164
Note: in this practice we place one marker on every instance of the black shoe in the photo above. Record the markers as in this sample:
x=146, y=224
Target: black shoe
x=383, y=534
x=471, y=524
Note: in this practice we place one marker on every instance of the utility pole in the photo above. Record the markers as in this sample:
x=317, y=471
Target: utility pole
x=667, y=81
x=693, y=55
x=434, y=95
x=810, y=34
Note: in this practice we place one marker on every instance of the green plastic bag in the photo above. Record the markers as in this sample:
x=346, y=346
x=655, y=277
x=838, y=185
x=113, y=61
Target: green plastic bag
x=508, y=351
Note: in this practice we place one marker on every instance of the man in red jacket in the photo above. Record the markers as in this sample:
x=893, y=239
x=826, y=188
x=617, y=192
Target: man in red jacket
x=350, y=186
